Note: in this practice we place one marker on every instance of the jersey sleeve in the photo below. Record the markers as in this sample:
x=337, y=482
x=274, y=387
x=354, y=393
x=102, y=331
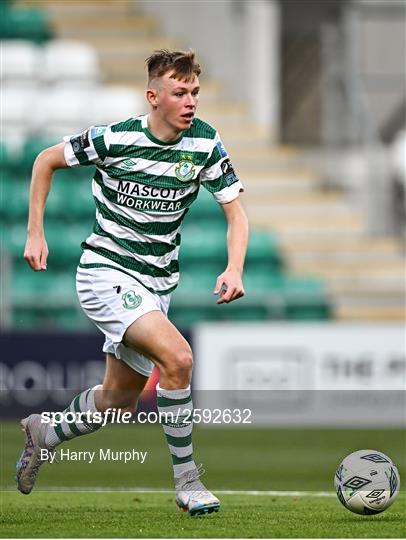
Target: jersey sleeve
x=88, y=148
x=218, y=175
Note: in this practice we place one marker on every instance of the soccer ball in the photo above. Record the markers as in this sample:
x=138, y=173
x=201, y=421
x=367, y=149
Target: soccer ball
x=367, y=482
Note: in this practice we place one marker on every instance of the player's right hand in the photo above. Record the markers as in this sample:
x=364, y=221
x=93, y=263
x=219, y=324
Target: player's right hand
x=36, y=253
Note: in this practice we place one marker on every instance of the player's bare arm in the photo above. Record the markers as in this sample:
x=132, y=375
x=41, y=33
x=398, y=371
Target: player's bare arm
x=46, y=163
x=229, y=284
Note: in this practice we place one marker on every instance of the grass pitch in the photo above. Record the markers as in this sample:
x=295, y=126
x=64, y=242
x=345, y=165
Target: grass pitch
x=69, y=498
x=140, y=515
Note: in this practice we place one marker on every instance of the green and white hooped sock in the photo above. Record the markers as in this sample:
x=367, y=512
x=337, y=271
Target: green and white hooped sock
x=64, y=431
x=178, y=434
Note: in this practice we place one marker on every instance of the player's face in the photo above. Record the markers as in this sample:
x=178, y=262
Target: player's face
x=176, y=101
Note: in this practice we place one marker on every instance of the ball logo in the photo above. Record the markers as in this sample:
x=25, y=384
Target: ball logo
x=364, y=489
x=376, y=458
x=375, y=494
x=131, y=300
x=356, y=482
x=185, y=169
x=393, y=482
x=339, y=472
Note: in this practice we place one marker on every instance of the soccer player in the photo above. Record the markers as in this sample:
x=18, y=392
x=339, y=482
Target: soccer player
x=148, y=173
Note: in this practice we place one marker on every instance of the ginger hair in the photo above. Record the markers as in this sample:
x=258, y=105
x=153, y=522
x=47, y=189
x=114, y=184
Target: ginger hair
x=183, y=64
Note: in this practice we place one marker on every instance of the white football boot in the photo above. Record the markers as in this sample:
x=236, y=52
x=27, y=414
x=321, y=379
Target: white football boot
x=192, y=496
x=30, y=461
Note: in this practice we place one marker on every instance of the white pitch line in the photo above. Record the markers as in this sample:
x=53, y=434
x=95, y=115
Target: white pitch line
x=272, y=493
x=279, y=493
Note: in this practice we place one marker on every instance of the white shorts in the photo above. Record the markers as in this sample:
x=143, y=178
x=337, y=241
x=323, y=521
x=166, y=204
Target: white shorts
x=113, y=301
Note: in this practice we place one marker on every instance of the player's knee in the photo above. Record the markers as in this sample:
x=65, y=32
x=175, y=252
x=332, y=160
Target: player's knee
x=179, y=367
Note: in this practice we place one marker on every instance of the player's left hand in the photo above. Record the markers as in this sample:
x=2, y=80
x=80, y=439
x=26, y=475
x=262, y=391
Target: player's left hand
x=229, y=286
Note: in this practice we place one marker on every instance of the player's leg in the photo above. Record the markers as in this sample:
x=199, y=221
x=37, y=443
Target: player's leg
x=101, y=294
x=158, y=339
x=155, y=337
x=120, y=389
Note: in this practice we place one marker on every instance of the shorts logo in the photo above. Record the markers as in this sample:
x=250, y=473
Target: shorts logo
x=131, y=300
x=185, y=168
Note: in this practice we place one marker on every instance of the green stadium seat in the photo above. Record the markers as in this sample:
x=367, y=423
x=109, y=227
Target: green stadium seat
x=202, y=279
x=32, y=147
x=194, y=298
x=62, y=319
x=185, y=317
x=205, y=208
x=45, y=300
x=256, y=280
x=306, y=299
x=207, y=242
x=15, y=238
x=202, y=243
x=14, y=199
x=297, y=285
x=70, y=197
x=251, y=313
x=81, y=205
x=313, y=312
x=25, y=318
x=64, y=240
x=71, y=319
x=263, y=251
x=29, y=24
x=42, y=290
x=57, y=200
x=4, y=157
x=268, y=296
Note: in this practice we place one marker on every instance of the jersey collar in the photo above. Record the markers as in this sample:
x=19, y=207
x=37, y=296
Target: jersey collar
x=151, y=137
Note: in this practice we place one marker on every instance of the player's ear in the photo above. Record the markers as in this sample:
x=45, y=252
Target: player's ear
x=152, y=97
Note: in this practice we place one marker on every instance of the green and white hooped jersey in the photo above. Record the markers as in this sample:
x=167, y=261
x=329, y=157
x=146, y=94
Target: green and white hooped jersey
x=142, y=189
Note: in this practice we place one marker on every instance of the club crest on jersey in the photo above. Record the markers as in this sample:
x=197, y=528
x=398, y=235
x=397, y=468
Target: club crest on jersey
x=131, y=300
x=185, y=168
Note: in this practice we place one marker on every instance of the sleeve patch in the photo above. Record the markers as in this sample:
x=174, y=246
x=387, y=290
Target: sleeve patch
x=221, y=149
x=228, y=172
x=97, y=131
x=80, y=142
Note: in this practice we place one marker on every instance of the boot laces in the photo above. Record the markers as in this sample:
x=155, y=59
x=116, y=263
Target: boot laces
x=193, y=485
x=27, y=455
